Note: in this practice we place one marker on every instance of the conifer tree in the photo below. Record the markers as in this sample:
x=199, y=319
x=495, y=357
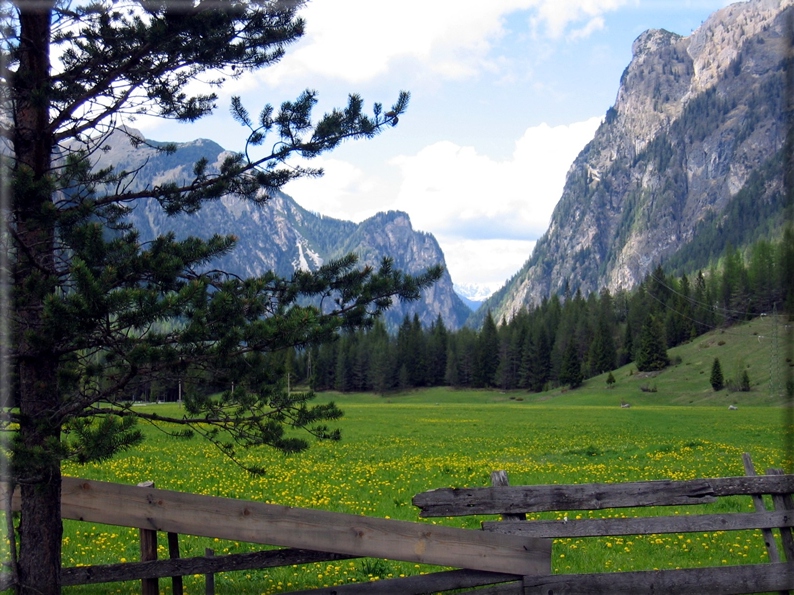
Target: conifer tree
x=610, y=380
x=652, y=351
x=716, y=379
x=541, y=357
x=437, y=352
x=487, y=354
x=603, y=353
x=89, y=301
x=381, y=372
x=571, y=367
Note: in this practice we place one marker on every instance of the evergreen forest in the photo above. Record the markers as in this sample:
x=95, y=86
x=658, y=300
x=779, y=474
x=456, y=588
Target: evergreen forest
x=564, y=340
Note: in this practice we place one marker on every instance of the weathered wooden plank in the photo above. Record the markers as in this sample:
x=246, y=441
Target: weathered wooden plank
x=148, y=537
x=643, y=525
x=256, y=522
x=514, y=588
x=726, y=580
x=593, y=496
x=784, y=503
x=758, y=502
x=209, y=578
x=416, y=585
x=6, y=581
x=177, y=588
x=500, y=479
x=131, y=571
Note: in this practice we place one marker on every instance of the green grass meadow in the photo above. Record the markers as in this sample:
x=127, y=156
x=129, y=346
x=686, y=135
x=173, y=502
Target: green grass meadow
x=396, y=446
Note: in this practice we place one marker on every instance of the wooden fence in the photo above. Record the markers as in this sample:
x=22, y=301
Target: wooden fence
x=311, y=535
x=511, y=556
x=513, y=502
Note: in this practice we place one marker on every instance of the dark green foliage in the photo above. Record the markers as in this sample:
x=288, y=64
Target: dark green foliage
x=652, y=351
x=487, y=355
x=603, y=352
x=437, y=353
x=605, y=331
x=571, y=367
x=716, y=379
x=744, y=383
x=610, y=380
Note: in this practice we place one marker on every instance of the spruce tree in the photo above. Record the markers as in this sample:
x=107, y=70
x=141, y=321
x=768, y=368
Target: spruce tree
x=652, y=351
x=487, y=354
x=89, y=301
x=437, y=352
x=610, y=380
x=571, y=367
x=716, y=379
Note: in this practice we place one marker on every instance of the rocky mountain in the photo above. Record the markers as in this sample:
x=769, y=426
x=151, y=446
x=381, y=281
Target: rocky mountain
x=282, y=236
x=687, y=159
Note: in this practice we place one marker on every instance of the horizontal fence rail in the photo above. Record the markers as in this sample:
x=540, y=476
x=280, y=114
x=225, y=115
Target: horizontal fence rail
x=594, y=496
x=130, y=571
x=318, y=530
x=725, y=580
x=643, y=525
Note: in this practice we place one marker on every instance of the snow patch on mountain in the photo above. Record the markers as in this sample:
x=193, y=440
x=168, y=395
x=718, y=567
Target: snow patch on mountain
x=475, y=292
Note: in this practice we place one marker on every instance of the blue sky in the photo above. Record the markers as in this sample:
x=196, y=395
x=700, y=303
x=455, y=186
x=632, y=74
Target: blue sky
x=504, y=94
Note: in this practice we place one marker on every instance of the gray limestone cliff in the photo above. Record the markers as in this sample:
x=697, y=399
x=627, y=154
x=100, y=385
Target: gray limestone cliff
x=691, y=150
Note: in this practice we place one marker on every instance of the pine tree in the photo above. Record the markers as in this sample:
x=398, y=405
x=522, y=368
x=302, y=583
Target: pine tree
x=652, y=352
x=85, y=289
x=610, y=380
x=716, y=379
x=437, y=352
x=381, y=371
x=487, y=354
x=571, y=368
x=603, y=353
x=541, y=357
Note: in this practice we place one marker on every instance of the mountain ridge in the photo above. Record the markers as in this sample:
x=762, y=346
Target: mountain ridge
x=695, y=119
x=280, y=235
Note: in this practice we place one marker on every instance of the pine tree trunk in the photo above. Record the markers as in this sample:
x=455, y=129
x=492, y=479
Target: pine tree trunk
x=36, y=463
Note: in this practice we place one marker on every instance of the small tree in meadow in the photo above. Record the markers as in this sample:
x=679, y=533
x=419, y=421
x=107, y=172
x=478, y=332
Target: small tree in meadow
x=717, y=380
x=744, y=385
x=610, y=381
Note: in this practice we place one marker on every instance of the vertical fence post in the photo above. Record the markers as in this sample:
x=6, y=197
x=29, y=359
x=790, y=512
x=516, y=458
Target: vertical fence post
x=173, y=552
x=209, y=579
x=149, y=586
x=758, y=501
x=499, y=479
x=784, y=502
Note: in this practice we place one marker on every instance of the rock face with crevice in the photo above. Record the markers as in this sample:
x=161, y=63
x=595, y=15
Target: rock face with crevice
x=692, y=146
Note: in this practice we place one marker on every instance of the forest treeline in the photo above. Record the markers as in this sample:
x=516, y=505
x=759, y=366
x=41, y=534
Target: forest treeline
x=565, y=339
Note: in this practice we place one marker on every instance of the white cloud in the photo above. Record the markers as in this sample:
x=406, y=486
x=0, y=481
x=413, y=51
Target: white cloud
x=343, y=192
x=486, y=214
x=358, y=40
x=553, y=17
x=484, y=264
x=454, y=191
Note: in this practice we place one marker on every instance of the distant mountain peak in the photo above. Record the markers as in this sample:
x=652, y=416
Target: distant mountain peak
x=282, y=236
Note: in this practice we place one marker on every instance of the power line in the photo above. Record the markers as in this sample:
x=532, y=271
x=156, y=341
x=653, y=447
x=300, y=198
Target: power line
x=700, y=322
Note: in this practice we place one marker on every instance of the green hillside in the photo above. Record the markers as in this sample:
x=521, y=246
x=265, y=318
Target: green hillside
x=760, y=346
